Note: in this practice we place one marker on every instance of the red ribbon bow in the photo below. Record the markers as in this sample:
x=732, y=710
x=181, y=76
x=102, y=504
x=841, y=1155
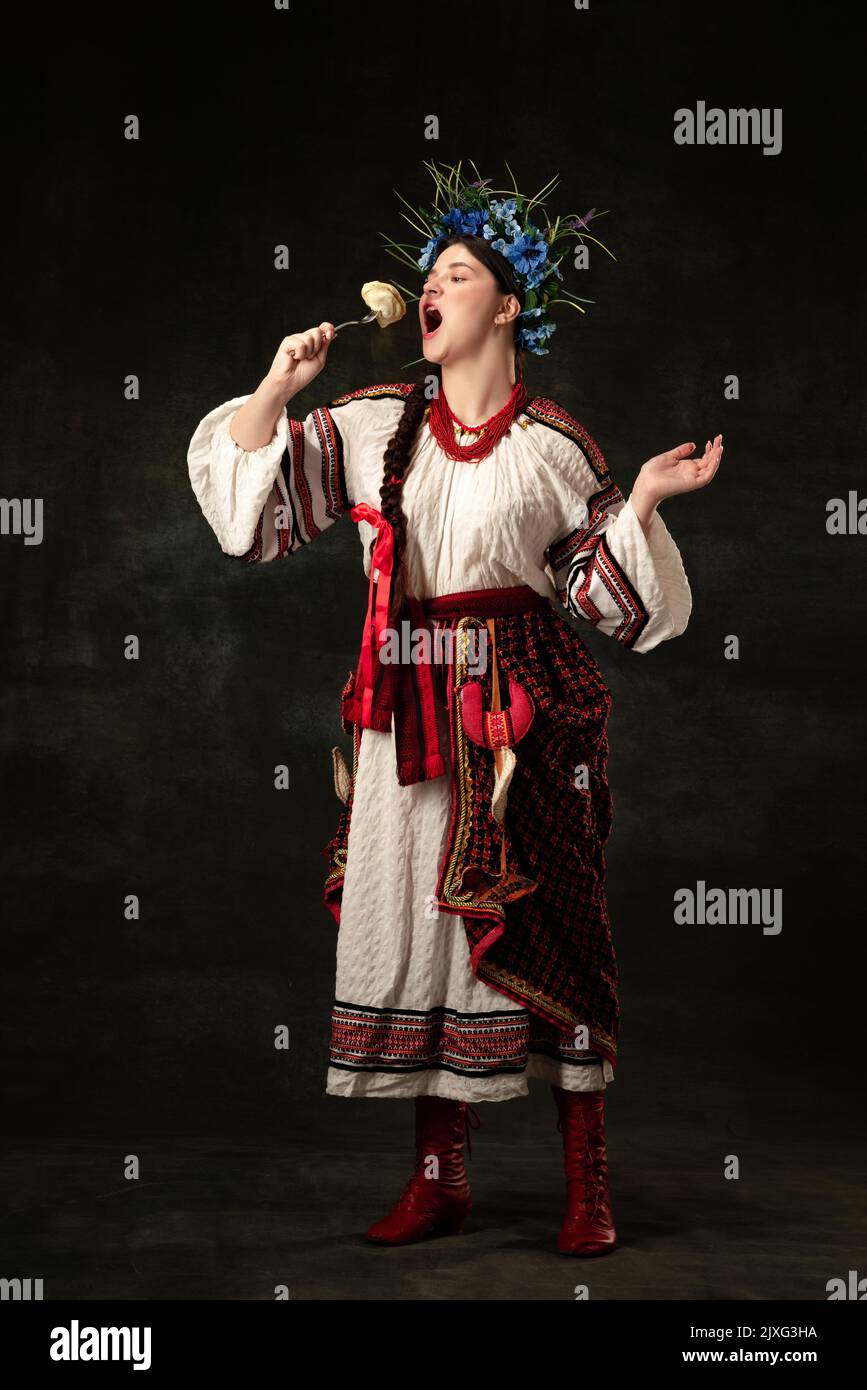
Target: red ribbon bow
x=405, y=698
x=376, y=620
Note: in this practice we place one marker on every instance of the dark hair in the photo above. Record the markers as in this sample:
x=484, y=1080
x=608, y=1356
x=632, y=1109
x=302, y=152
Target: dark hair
x=396, y=457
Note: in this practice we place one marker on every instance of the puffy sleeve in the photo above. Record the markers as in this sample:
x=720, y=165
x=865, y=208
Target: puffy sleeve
x=631, y=586
x=266, y=503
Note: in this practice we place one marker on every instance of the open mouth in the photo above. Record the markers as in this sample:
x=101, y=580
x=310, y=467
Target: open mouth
x=432, y=320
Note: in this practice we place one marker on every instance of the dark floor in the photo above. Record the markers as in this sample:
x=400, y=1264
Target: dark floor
x=229, y=1219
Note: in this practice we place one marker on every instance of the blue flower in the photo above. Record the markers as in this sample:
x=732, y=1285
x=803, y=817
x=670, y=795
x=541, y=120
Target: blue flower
x=528, y=255
x=499, y=244
x=467, y=220
x=533, y=338
x=425, y=260
x=505, y=213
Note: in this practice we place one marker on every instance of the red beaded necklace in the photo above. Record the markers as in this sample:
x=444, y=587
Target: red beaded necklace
x=443, y=423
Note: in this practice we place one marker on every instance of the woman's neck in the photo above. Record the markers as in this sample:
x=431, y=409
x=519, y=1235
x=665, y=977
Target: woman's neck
x=475, y=393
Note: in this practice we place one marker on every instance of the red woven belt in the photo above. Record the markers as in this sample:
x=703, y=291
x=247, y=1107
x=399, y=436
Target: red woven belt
x=486, y=603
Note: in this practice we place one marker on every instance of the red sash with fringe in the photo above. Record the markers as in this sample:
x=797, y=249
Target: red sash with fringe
x=386, y=694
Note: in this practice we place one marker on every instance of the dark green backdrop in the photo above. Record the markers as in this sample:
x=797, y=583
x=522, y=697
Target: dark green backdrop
x=155, y=777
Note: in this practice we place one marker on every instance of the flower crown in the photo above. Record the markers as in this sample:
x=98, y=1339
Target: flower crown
x=533, y=253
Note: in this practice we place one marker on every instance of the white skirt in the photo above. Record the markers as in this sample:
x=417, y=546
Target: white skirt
x=409, y=1016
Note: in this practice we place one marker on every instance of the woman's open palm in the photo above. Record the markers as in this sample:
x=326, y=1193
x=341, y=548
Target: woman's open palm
x=674, y=471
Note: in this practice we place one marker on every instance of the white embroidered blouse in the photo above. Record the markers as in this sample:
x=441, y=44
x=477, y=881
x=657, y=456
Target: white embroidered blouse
x=541, y=509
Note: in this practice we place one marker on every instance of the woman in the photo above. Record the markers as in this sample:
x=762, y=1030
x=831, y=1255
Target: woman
x=467, y=870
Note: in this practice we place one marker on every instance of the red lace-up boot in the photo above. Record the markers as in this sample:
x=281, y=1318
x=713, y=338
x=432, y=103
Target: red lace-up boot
x=588, y=1227
x=435, y=1205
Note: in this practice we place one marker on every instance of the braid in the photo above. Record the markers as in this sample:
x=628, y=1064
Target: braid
x=396, y=462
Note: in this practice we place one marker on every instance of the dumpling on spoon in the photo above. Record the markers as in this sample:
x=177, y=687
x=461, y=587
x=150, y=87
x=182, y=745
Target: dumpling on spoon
x=386, y=302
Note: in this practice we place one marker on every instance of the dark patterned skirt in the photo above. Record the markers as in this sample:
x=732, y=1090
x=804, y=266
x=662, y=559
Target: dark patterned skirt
x=530, y=887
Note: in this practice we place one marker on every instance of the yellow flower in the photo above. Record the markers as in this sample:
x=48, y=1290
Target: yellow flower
x=385, y=300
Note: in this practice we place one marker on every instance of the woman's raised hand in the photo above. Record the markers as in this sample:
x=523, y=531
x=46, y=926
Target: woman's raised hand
x=673, y=472
x=300, y=358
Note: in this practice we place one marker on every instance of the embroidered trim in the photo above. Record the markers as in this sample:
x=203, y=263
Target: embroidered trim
x=365, y=1038
x=291, y=538
x=296, y=481
x=449, y=890
x=563, y=551
x=394, y=390
x=584, y=555
x=550, y=413
x=336, y=849
x=298, y=478
x=522, y=991
x=254, y=554
x=604, y=567
x=334, y=488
